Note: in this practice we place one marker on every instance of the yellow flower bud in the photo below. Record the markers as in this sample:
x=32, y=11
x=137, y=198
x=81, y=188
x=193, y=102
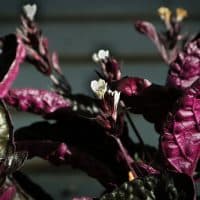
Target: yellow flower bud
x=165, y=14
x=181, y=14
x=130, y=176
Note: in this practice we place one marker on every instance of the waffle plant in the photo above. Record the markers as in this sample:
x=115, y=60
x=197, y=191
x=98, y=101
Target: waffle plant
x=91, y=133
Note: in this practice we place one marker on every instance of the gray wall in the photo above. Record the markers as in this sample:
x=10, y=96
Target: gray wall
x=77, y=28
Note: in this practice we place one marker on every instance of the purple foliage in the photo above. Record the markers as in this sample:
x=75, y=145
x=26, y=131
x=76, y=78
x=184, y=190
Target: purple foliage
x=92, y=133
x=130, y=86
x=142, y=97
x=185, y=70
x=180, y=141
x=36, y=101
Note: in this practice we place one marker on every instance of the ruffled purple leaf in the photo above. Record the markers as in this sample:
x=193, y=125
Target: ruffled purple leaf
x=131, y=86
x=151, y=100
x=180, y=139
x=50, y=104
x=11, y=56
x=185, y=70
x=42, y=102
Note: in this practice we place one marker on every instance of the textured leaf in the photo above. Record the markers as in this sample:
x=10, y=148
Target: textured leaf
x=36, y=101
x=151, y=100
x=91, y=149
x=86, y=143
x=185, y=70
x=180, y=141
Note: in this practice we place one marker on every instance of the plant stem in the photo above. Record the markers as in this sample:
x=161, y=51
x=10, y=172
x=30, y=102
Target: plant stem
x=134, y=129
x=126, y=156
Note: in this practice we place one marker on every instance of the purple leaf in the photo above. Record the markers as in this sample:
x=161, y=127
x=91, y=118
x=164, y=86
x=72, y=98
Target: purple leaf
x=151, y=100
x=12, y=55
x=130, y=86
x=88, y=147
x=185, y=70
x=180, y=139
x=42, y=102
x=86, y=143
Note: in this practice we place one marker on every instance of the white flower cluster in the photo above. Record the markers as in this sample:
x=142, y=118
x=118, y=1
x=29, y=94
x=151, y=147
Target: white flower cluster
x=100, y=88
x=101, y=55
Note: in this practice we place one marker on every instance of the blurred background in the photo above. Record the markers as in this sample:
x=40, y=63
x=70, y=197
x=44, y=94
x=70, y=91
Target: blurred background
x=76, y=29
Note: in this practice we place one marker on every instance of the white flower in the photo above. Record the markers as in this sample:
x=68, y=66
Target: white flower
x=99, y=88
x=116, y=96
x=30, y=11
x=101, y=55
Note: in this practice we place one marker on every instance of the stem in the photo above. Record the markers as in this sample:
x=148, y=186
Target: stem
x=126, y=156
x=135, y=129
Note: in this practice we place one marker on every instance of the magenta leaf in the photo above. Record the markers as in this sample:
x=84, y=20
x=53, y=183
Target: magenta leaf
x=180, y=141
x=130, y=86
x=151, y=100
x=85, y=146
x=185, y=70
x=12, y=55
x=42, y=102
